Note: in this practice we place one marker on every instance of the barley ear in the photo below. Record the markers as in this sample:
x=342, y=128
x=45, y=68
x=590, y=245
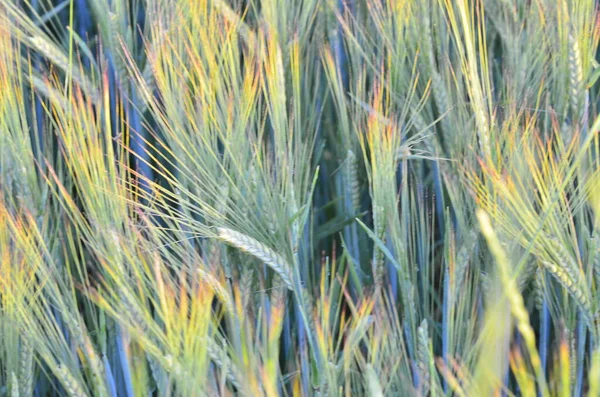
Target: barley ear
x=573, y=288
x=246, y=281
x=59, y=59
x=70, y=384
x=352, y=177
x=26, y=367
x=575, y=78
x=539, y=288
x=378, y=262
x=14, y=385
x=595, y=258
x=260, y=251
x=423, y=357
x=220, y=357
x=219, y=290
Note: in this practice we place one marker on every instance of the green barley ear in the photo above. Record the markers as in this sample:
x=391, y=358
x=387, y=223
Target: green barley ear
x=527, y=275
x=219, y=290
x=427, y=37
x=515, y=299
x=594, y=374
x=82, y=340
x=566, y=270
x=173, y=366
x=70, y=384
x=221, y=359
x=148, y=83
x=484, y=279
x=47, y=91
x=566, y=134
x=308, y=307
x=247, y=244
x=575, y=78
x=159, y=375
x=74, y=328
x=248, y=36
x=539, y=288
x=14, y=385
x=116, y=49
x=595, y=258
x=59, y=59
x=246, y=281
x=352, y=179
x=373, y=384
x=214, y=250
x=278, y=293
x=26, y=366
x=440, y=96
x=379, y=229
x=96, y=365
x=573, y=288
x=572, y=343
x=424, y=357
x=462, y=263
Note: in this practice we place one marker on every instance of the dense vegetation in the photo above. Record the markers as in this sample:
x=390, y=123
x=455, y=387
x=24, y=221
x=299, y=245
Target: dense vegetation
x=297, y=198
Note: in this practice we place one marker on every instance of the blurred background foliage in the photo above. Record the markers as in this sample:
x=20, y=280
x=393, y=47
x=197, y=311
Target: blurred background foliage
x=298, y=198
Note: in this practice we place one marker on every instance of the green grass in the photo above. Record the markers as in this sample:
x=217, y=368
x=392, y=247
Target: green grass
x=374, y=197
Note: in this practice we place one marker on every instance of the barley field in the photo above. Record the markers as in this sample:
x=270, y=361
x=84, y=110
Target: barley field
x=299, y=198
